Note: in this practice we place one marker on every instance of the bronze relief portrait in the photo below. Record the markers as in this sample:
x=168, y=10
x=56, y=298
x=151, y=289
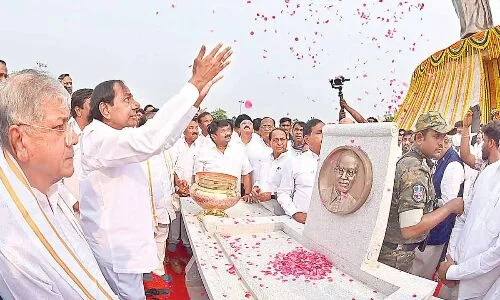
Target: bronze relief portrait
x=345, y=180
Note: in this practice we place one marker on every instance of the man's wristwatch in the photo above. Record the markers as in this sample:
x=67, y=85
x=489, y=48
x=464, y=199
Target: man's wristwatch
x=274, y=196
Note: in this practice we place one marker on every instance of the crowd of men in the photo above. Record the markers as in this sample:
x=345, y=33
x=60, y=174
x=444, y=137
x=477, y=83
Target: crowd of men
x=91, y=185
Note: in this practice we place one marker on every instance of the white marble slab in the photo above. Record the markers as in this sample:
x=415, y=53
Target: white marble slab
x=213, y=265
x=251, y=255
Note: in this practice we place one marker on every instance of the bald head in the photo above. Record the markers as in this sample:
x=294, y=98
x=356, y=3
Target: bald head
x=346, y=121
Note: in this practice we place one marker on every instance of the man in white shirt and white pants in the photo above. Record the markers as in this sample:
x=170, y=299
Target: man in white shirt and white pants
x=297, y=181
x=115, y=204
x=473, y=259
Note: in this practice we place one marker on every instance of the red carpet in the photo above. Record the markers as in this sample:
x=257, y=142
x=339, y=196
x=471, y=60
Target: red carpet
x=178, y=286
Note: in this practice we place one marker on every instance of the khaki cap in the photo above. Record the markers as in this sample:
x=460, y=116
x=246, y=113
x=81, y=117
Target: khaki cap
x=435, y=121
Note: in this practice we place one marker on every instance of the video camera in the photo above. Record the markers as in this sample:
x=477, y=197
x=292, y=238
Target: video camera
x=338, y=82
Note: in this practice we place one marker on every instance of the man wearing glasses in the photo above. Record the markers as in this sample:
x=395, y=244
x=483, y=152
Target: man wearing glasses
x=345, y=172
x=43, y=251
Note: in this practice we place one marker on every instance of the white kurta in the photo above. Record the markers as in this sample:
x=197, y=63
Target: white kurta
x=183, y=158
x=233, y=161
x=27, y=269
x=297, y=182
x=160, y=175
x=115, y=204
x=475, y=240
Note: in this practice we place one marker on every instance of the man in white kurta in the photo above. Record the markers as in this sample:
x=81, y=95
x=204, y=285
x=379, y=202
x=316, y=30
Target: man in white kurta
x=114, y=191
x=183, y=153
x=115, y=204
x=43, y=252
x=474, y=249
x=160, y=172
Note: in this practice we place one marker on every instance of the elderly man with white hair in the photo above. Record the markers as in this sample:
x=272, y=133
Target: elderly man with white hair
x=43, y=252
x=115, y=208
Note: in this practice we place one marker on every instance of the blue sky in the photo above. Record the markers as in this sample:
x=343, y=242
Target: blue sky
x=150, y=45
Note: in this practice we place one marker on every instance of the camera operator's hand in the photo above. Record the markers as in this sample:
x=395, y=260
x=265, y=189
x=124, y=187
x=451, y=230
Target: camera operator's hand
x=343, y=104
x=206, y=69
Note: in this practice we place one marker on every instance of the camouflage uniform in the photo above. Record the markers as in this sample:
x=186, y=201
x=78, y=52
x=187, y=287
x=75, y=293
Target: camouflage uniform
x=413, y=189
x=413, y=196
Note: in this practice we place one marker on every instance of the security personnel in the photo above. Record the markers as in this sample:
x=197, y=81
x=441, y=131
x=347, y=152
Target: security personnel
x=412, y=213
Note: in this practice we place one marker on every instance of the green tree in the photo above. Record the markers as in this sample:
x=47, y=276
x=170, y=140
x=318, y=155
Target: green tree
x=219, y=114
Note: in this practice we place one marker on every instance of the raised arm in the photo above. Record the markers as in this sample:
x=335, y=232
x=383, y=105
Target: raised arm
x=354, y=113
x=465, y=154
x=110, y=148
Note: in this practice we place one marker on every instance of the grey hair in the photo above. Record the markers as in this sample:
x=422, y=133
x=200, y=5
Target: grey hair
x=22, y=96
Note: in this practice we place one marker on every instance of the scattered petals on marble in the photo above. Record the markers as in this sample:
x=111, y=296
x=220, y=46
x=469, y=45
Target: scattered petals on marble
x=300, y=263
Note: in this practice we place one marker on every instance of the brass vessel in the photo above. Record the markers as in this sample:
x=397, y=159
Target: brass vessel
x=214, y=192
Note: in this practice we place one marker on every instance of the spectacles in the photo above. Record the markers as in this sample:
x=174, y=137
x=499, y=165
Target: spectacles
x=68, y=130
x=347, y=172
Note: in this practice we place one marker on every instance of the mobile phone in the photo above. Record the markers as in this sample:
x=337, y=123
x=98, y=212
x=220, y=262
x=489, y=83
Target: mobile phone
x=476, y=118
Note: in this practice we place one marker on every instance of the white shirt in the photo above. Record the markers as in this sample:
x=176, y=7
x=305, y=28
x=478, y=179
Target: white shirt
x=235, y=138
x=270, y=171
x=183, y=158
x=160, y=175
x=475, y=240
x=453, y=177
x=256, y=151
x=205, y=140
x=297, y=182
x=73, y=182
x=233, y=161
x=115, y=203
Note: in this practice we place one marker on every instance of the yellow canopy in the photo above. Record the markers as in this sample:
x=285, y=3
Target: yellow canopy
x=451, y=80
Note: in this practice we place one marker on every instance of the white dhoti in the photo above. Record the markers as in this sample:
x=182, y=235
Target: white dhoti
x=161, y=235
x=126, y=286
